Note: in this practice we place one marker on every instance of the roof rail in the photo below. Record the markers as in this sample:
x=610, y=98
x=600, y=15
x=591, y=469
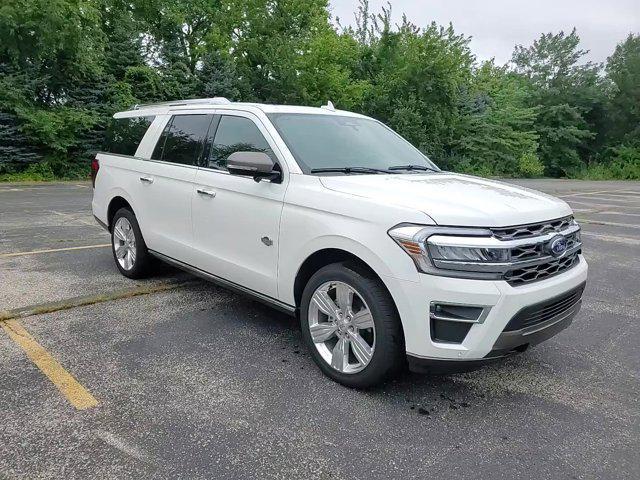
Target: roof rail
x=179, y=103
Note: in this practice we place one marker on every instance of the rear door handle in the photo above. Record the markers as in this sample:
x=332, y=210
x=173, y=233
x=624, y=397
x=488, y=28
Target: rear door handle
x=206, y=193
x=146, y=179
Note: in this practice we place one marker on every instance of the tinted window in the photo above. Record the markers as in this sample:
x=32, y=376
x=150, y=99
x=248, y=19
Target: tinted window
x=182, y=139
x=124, y=134
x=236, y=134
x=334, y=141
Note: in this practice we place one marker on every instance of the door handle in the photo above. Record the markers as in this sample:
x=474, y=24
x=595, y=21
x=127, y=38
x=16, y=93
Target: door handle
x=146, y=179
x=207, y=193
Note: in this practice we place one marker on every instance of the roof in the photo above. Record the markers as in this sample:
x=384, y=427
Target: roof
x=225, y=104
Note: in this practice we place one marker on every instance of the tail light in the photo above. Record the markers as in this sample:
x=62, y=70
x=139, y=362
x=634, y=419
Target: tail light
x=95, y=166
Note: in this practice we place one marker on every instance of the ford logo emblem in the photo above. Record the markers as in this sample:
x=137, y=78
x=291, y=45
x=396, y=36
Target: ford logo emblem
x=557, y=246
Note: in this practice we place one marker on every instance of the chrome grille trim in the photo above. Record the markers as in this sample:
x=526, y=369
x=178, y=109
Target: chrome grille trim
x=490, y=241
x=521, y=276
x=534, y=263
x=533, y=229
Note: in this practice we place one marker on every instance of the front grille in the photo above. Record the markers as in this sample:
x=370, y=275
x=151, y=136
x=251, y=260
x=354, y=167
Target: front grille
x=541, y=312
x=541, y=271
x=532, y=230
x=532, y=260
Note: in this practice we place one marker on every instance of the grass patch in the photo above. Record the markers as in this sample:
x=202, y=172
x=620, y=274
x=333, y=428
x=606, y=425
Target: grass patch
x=47, y=171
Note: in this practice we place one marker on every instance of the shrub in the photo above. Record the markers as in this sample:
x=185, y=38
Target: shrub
x=37, y=172
x=623, y=164
x=530, y=165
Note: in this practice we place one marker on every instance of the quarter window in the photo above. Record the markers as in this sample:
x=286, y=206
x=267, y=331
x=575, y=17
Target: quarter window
x=182, y=139
x=236, y=134
x=124, y=134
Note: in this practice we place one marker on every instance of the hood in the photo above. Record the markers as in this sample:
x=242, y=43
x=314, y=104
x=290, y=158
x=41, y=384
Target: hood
x=453, y=199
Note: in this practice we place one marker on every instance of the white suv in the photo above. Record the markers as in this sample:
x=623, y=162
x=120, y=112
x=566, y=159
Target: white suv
x=331, y=216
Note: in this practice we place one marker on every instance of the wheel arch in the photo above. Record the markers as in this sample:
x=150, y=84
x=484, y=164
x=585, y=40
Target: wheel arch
x=115, y=204
x=327, y=256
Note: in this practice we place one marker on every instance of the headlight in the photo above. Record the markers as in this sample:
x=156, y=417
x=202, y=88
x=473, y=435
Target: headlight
x=447, y=252
x=459, y=252
x=481, y=253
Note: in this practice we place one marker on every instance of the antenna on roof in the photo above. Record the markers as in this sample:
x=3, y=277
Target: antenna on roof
x=329, y=106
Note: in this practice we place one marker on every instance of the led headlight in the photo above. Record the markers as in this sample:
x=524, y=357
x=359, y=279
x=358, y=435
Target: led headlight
x=451, y=251
x=471, y=254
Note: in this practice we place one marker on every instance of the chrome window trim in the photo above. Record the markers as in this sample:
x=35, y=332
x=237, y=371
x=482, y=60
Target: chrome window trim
x=134, y=157
x=163, y=162
x=173, y=164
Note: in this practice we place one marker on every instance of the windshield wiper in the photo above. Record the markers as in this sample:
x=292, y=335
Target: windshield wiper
x=348, y=170
x=413, y=167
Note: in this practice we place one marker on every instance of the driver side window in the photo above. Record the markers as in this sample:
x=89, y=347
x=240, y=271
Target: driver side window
x=236, y=134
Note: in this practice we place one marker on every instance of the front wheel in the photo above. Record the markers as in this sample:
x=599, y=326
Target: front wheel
x=351, y=326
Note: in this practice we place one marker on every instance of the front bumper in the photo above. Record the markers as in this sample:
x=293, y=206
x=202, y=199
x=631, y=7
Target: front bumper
x=508, y=343
x=488, y=340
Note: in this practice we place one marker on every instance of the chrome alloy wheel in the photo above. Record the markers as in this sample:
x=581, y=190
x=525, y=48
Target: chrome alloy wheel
x=124, y=243
x=341, y=326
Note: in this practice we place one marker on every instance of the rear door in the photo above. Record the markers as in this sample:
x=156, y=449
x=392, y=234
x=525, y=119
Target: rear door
x=166, y=185
x=236, y=220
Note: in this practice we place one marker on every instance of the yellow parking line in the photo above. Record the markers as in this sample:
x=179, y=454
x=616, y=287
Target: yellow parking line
x=52, y=250
x=77, y=395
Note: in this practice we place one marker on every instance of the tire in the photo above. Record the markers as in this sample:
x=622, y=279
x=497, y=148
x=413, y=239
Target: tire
x=137, y=261
x=386, y=337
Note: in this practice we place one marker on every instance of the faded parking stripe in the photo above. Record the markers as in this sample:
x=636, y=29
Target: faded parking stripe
x=77, y=395
x=53, y=250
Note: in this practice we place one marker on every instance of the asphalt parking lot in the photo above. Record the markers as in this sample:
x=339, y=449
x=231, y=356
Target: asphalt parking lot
x=183, y=379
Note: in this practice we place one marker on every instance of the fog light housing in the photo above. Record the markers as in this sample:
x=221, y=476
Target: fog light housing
x=450, y=322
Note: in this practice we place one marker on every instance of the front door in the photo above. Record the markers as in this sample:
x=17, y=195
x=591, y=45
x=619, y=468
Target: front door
x=235, y=219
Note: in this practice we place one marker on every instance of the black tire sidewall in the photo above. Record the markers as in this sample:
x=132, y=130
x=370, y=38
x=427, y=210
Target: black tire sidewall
x=389, y=348
x=140, y=266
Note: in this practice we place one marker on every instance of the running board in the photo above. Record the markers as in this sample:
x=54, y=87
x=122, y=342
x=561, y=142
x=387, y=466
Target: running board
x=272, y=302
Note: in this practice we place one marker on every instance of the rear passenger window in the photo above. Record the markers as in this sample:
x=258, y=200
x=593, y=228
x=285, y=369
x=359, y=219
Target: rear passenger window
x=182, y=139
x=124, y=134
x=236, y=134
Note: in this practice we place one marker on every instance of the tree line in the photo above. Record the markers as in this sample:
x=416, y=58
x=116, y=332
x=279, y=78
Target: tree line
x=67, y=65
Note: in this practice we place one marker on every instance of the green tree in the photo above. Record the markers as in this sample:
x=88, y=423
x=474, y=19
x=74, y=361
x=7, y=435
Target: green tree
x=270, y=40
x=567, y=93
x=623, y=70
x=218, y=76
x=416, y=78
x=496, y=132
x=67, y=65
x=50, y=55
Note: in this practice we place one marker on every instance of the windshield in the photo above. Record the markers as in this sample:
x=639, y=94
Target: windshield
x=338, y=142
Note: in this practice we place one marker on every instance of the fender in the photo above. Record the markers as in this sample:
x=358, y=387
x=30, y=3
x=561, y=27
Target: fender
x=119, y=192
x=290, y=268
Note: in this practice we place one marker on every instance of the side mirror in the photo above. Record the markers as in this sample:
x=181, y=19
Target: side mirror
x=258, y=165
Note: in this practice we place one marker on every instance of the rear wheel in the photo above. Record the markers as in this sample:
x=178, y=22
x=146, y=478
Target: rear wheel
x=351, y=326
x=129, y=250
